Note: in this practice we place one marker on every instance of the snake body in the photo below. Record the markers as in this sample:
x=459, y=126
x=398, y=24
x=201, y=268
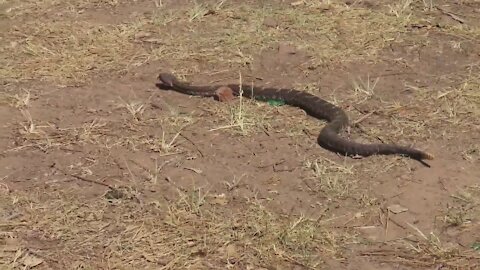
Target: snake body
x=313, y=105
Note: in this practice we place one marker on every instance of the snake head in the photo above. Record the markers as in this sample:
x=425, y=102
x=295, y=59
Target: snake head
x=167, y=79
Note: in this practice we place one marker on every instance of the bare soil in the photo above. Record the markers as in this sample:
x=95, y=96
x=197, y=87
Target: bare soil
x=101, y=169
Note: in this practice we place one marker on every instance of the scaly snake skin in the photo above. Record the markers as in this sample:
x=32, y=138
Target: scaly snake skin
x=312, y=105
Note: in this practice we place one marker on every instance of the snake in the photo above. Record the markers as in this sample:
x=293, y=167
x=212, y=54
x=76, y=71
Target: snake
x=329, y=137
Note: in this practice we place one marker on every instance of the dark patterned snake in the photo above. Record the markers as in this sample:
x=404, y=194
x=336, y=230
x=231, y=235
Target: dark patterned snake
x=312, y=105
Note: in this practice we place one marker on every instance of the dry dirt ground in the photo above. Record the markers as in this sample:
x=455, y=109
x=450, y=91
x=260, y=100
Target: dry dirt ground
x=100, y=169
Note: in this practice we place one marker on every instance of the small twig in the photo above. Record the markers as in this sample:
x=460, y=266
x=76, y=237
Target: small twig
x=196, y=147
x=86, y=179
x=224, y=127
x=129, y=171
x=270, y=164
x=386, y=224
x=391, y=219
x=265, y=131
x=307, y=132
x=452, y=15
x=139, y=165
x=91, y=181
x=417, y=230
x=369, y=134
x=282, y=170
x=170, y=154
x=13, y=224
x=356, y=122
x=395, y=74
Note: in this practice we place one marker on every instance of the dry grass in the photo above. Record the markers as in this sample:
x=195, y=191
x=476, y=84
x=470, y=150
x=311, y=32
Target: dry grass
x=241, y=115
x=423, y=250
x=426, y=253
x=335, y=180
x=47, y=50
x=198, y=229
x=464, y=210
x=191, y=231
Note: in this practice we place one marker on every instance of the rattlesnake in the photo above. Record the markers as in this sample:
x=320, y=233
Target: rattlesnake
x=312, y=105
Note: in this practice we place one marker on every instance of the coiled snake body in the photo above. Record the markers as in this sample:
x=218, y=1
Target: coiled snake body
x=312, y=105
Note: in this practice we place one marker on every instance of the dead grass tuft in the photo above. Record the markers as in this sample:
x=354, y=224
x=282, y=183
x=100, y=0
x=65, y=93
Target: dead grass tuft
x=427, y=254
x=464, y=209
x=334, y=180
x=184, y=233
x=47, y=50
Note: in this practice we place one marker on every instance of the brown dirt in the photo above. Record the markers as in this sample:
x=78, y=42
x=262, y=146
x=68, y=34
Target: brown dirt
x=100, y=169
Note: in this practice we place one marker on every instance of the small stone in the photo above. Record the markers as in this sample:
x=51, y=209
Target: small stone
x=397, y=209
